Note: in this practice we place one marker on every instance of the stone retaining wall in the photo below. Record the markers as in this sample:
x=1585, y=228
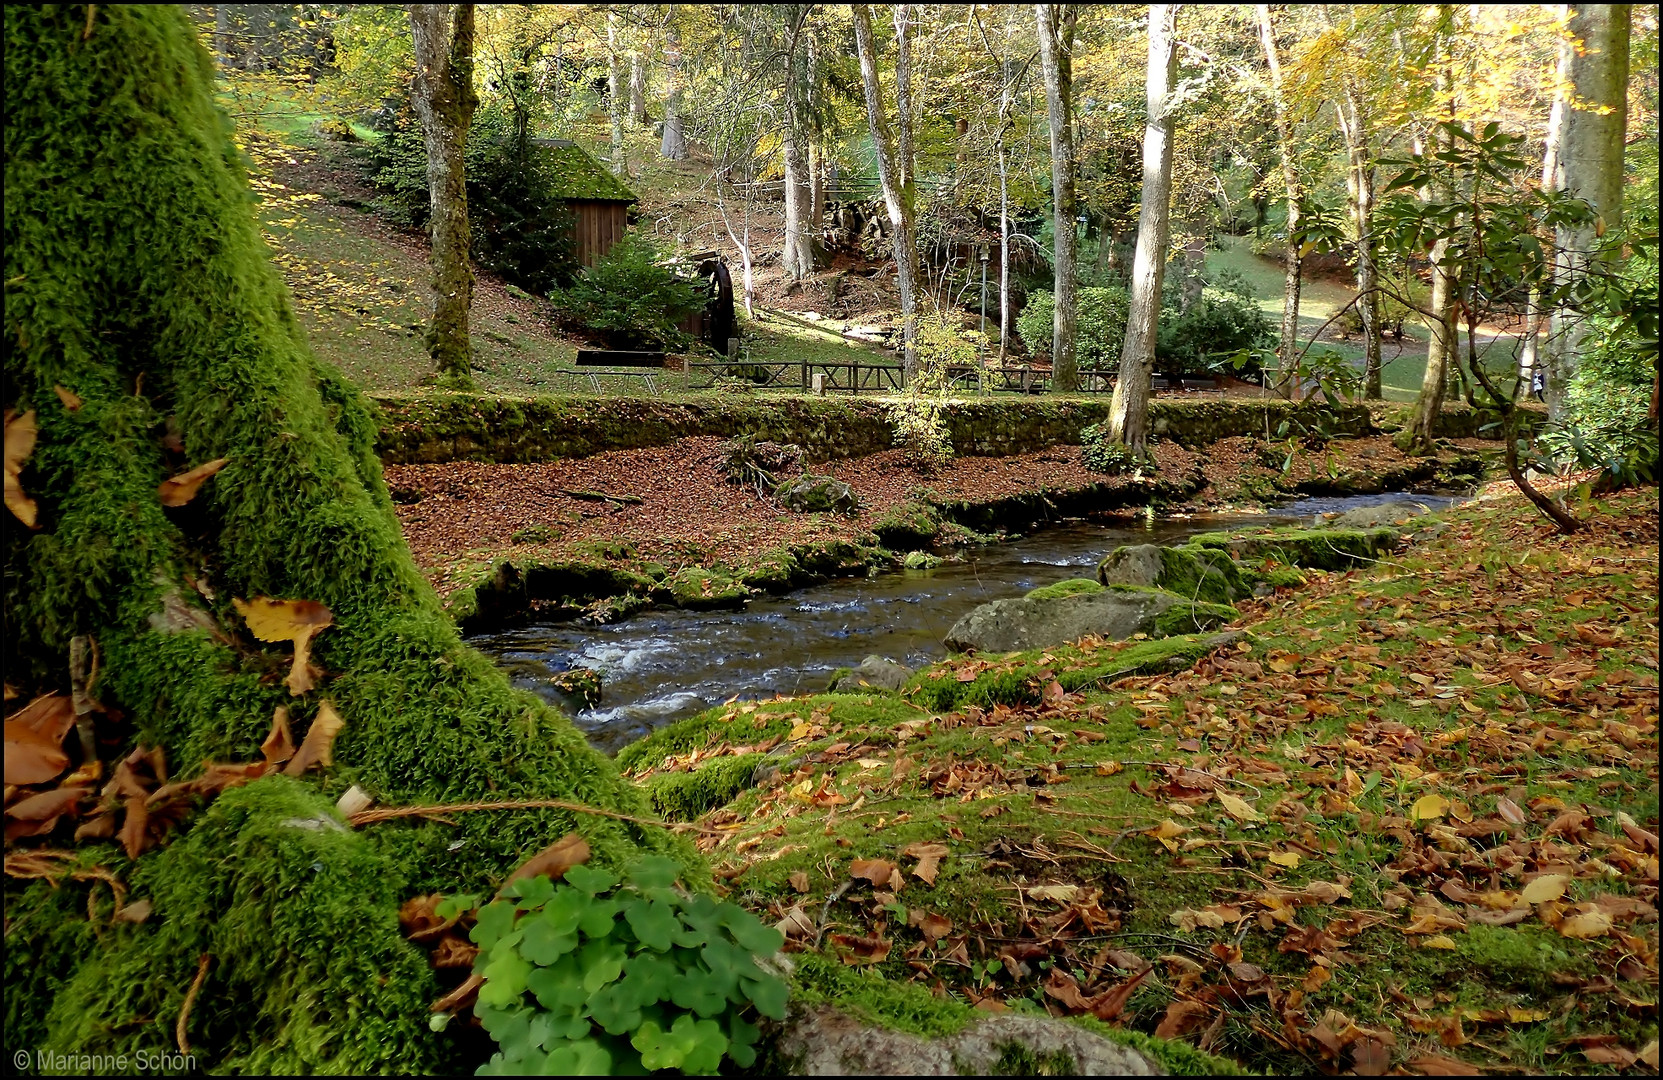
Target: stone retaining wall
x=467, y=427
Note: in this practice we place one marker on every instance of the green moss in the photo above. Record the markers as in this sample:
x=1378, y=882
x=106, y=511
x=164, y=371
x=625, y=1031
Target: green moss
x=577, y=176
x=1059, y=589
x=534, y=534
x=137, y=277
x=1177, y=1058
x=284, y=978
x=1316, y=549
x=921, y=560
x=1018, y=1060
x=868, y=997
x=48, y=936
x=695, y=587
x=909, y=526
x=1525, y=957
x=1016, y=680
x=683, y=796
x=1193, y=618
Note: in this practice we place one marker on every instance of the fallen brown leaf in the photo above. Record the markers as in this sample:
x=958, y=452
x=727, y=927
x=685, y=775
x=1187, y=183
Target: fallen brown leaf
x=1182, y=1017
x=279, y=744
x=320, y=739
x=32, y=758
x=287, y=620
x=568, y=851
x=181, y=489
x=71, y=400
x=20, y=443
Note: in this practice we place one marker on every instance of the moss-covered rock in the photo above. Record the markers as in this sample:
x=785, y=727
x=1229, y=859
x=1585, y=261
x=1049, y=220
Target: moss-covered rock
x=810, y=494
x=1198, y=573
x=683, y=796
x=697, y=588
x=921, y=560
x=1071, y=587
x=1316, y=549
x=1113, y=613
x=909, y=526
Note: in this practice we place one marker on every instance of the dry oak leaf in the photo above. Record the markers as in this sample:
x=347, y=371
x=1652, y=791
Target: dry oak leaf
x=933, y=927
x=287, y=620
x=181, y=489
x=568, y=851
x=20, y=443
x=799, y=881
x=279, y=744
x=929, y=858
x=320, y=740
x=877, y=871
x=32, y=758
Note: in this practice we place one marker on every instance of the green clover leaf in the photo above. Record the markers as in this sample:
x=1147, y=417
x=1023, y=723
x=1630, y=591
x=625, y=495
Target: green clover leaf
x=589, y=879
x=505, y=978
x=654, y=923
x=495, y=922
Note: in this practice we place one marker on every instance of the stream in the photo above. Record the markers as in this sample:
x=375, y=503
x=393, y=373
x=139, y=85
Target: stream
x=663, y=665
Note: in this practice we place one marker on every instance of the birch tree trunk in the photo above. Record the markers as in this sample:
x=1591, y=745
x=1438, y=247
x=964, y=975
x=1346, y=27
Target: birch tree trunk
x=1288, y=346
x=1129, y=411
x=1441, y=348
x=798, y=257
x=1590, y=167
x=898, y=194
x=673, y=146
x=1529, y=354
x=1055, y=26
x=1359, y=197
x=638, y=88
x=444, y=100
x=615, y=92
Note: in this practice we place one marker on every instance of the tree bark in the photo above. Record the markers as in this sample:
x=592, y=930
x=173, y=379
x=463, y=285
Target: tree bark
x=1590, y=167
x=905, y=160
x=165, y=241
x=1359, y=192
x=615, y=92
x=445, y=101
x=798, y=257
x=1288, y=345
x=1055, y=27
x=673, y=146
x=1129, y=411
x=1443, y=343
x=638, y=88
x=1530, y=353
x=897, y=187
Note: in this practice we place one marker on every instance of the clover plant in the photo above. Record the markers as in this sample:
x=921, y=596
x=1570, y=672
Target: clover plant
x=593, y=976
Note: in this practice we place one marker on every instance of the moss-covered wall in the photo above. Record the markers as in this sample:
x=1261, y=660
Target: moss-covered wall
x=466, y=427
x=1458, y=420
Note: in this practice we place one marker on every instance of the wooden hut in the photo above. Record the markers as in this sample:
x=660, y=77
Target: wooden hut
x=598, y=200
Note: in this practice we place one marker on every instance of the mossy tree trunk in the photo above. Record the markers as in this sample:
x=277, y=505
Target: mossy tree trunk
x=445, y=101
x=136, y=278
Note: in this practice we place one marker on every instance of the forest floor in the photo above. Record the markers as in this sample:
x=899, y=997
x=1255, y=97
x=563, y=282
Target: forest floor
x=468, y=514
x=1404, y=820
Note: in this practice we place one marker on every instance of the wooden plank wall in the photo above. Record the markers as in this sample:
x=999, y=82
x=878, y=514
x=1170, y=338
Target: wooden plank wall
x=599, y=225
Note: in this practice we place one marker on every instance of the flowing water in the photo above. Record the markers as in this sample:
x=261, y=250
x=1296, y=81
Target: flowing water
x=663, y=665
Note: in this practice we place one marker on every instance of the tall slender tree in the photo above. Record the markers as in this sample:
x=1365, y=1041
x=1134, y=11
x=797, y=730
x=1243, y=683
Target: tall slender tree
x=1288, y=344
x=1055, y=25
x=445, y=101
x=1129, y=410
x=896, y=180
x=1590, y=167
x=1442, y=349
x=615, y=90
x=673, y=145
x=799, y=256
x=1351, y=111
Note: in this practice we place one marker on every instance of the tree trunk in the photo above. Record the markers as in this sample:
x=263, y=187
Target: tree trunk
x=1288, y=345
x=1530, y=352
x=615, y=92
x=1590, y=167
x=1442, y=345
x=1129, y=411
x=1055, y=26
x=164, y=240
x=816, y=160
x=905, y=159
x=1359, y=197
x=673, y=146
x=638, y=88
x=444, y=101
x=798, y=257
x=897, y=189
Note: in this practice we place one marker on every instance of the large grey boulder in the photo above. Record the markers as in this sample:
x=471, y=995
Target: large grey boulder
x=1114, y=614
x=875, y=673
x=825, y=1042
x=1369, y=517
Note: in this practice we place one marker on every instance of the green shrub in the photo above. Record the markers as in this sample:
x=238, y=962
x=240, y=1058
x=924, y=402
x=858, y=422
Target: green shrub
x=1103, y=454
x=630, y=297
x=594, y=976
x=1100, y=326
x=519, y=229
x=1219, y=325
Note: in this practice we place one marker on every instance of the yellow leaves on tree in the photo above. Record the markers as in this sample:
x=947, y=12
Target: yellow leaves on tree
x=181, y=489
x=20, y=443
x=288, y=620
